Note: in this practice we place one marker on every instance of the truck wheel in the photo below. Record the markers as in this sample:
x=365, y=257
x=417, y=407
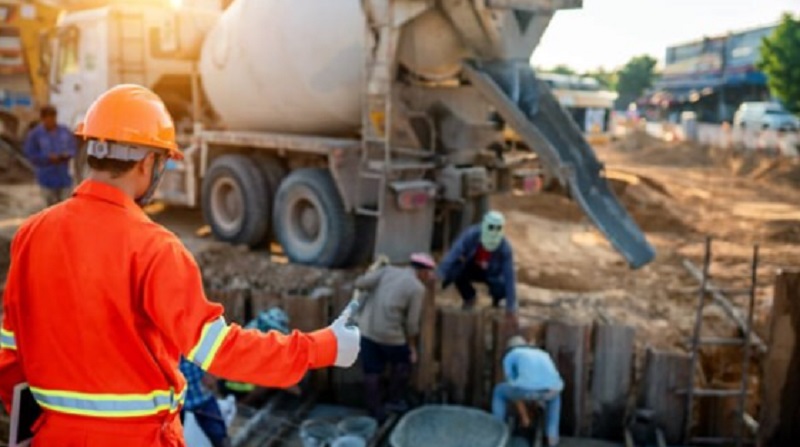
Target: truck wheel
x=310, y=221
x=234, y=204
x=364, y=245
x=273, y=172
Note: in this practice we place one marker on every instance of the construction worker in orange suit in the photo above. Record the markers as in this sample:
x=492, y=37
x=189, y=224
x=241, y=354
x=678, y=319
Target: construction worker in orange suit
x=100, y=302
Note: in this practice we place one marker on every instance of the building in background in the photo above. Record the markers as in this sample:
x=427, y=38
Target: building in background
x=710, y=77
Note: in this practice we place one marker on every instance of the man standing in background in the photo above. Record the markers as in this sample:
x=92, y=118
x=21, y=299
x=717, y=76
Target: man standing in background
x=49, y=147
x=389, y=319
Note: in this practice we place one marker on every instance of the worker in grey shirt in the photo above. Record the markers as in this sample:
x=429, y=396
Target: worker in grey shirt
x=389, y=319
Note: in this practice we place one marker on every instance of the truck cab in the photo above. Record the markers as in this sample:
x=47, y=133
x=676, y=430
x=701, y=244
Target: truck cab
x=146, y=43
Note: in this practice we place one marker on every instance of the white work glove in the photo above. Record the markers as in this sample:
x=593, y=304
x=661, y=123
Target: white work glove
x=348, y=342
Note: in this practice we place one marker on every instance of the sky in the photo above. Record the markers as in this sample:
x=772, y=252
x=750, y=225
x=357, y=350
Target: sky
x=608, y=33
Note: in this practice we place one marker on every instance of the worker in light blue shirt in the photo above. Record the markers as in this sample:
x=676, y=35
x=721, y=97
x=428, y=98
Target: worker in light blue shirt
x=531, y=375
x=49, y=147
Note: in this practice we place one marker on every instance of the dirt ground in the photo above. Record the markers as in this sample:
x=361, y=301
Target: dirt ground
x=677, y=192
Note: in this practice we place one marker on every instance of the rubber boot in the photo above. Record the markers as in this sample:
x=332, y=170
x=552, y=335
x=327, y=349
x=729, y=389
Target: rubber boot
x=398, y=388
x=372, y=396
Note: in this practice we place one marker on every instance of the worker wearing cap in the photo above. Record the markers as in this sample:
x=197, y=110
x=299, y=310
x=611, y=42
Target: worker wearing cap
x=531, y=376
x=482, y=255
x=389, y=319
x=101, y=302
x=49, y=147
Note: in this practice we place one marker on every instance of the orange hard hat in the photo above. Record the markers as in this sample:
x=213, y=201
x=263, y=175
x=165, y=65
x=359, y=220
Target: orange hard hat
x=131, y=114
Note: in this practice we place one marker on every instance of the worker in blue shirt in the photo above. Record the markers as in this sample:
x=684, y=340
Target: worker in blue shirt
x=482, y=255
x=531, y=376
x=201, y=401
x=50, y=146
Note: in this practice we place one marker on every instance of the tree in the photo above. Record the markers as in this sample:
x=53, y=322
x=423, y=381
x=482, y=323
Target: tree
x=780, y=60
x=635, y=77
x=561, y=69
x=608, y=79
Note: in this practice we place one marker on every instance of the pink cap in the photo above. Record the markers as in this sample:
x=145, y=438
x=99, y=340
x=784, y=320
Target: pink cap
x=423, y=260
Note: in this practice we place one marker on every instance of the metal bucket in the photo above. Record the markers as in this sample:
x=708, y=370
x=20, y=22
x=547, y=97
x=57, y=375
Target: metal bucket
x=349, y=441
x=363, y=427
x=317, y=433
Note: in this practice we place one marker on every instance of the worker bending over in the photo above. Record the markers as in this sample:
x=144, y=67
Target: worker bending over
x=131, y=298
x=389, y=318
x=482, y=254
x=531, y=376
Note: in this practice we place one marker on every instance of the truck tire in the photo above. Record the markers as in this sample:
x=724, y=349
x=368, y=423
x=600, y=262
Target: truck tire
x=310, y=221
x=233, y=199
x=273, y=171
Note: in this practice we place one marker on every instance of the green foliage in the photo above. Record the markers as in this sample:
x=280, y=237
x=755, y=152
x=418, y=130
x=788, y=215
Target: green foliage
x=562, y=69
x=608, y=79
x=780, y=60
x=635, y=77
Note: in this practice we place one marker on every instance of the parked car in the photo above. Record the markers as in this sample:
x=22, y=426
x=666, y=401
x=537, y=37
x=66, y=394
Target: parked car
x=764, y=115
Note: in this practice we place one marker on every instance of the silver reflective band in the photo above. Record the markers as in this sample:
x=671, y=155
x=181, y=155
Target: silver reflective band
x=116, y=151
x=211, y=337
x=7, y=339
x=109, y=405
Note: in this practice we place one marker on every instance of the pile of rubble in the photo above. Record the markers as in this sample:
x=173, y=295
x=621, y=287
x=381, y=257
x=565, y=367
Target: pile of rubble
x=226, y=267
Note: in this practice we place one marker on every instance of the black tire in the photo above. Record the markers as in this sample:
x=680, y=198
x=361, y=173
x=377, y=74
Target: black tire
x=233, y=199
x=310, y=221
x=364, y=244
x=273, y=171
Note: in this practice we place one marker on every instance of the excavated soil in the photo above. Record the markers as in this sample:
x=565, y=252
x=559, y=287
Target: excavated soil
x=12, y=170
x=226, y=267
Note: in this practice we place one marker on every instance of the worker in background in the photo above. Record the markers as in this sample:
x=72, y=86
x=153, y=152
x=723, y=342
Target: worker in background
x=531, y=376
x=482, y=255
x=389, y=319
x=131, y=297
x=49, y=147
x=201, y=401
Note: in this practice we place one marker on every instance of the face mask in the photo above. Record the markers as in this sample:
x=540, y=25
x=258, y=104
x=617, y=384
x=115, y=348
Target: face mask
x=492, y=232
x=155, y=179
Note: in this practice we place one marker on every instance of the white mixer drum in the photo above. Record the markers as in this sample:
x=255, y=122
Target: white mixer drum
x=287, y=66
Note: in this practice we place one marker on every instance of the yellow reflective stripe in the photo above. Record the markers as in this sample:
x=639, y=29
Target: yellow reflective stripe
x=203, y=333
x=214, y=348
x=204, y=352
x=109, y=405
x=7, y=339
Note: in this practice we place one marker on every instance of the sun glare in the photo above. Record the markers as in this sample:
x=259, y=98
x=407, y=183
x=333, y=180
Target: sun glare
x=176, y=3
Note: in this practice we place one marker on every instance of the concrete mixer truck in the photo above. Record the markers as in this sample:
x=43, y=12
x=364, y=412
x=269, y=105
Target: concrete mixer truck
x=346, y=128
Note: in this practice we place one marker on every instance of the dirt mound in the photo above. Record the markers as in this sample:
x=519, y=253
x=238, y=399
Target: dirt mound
x=12, y=169
x=647, y=150
x=635, y=141
x=783, y=231
x=226, y=267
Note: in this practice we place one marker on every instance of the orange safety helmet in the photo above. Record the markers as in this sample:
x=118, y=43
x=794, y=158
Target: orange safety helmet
x=131, y=114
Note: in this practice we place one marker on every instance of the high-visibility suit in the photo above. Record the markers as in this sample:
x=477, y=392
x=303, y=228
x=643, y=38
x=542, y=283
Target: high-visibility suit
x=99, y=305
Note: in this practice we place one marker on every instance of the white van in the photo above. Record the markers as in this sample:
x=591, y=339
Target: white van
x=764, y=115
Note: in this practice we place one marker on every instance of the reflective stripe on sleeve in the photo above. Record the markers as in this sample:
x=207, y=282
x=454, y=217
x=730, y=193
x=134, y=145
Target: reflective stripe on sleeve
x=211, y=338
x=7, y=340
x=109, y=405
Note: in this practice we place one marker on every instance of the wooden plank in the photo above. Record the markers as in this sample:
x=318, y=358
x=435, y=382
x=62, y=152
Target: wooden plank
x=666, y=374
x=459, y=330
x=501, y=332
x=234, y=302
x=425, y=369
x=611, y=380
x=347, y=383
x=569, y=345
x=780, y=377
x=309, y=314
x=262, y=301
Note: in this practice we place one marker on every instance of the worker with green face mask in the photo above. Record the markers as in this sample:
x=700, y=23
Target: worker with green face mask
x=482, y=255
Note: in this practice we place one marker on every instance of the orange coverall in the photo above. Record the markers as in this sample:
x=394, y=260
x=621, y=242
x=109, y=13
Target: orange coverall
x=100, y=304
